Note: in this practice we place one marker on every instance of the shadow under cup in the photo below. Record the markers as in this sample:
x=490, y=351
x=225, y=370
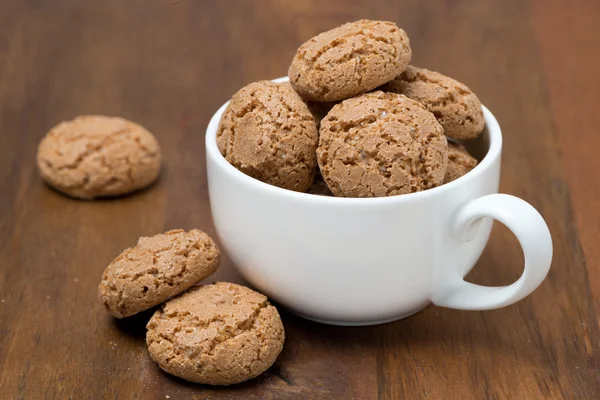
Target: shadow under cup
x=358, y=261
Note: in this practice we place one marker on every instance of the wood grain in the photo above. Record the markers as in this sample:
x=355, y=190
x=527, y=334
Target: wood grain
x=169, y=65
x=572, y=97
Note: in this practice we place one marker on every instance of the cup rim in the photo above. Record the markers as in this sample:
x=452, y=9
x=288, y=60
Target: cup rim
x=213, y=154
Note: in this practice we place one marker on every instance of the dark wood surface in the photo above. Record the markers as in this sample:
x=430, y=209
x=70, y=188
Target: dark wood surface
x=169, y=65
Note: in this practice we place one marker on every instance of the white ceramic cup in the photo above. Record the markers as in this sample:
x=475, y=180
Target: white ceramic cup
x=363, y=261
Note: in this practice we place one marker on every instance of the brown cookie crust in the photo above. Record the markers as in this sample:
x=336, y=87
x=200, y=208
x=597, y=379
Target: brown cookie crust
x=318, y=109
x=155, y=269
x=349, y=60
x=459, y=162
x=217, y=334
x=268, y=132
x=97, y=156
x=381, y=144
x=454, y=105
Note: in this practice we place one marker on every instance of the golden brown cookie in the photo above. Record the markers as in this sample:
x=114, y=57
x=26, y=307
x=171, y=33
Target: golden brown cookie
x=218, y=334
x=349, y=60
x=381, y=144
x=454, y=105
x=155, y=269
x=268, y=132
x=97, y=156
x=459, y=162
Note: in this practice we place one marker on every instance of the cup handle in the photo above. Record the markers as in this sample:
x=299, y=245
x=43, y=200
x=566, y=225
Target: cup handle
x=532, y=232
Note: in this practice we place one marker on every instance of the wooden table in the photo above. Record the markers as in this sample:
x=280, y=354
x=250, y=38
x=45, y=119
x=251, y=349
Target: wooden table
x=169, y=65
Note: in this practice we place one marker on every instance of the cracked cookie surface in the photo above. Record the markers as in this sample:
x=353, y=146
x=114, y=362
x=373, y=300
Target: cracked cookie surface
x=155, y=269
x=454, y=105
x=381, y=144
x=218, y=334
x=318, y=109
x=268, y=133
x=349, y=60
x=97, y=156
x=459, y=162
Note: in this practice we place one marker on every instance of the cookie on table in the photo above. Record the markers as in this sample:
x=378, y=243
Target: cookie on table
x=217, y=334
x=459, y=162
x=454, y=105
x=381, y=144
x=268, y=132
x=349, y=60
x=97, y=156
x=155, y=269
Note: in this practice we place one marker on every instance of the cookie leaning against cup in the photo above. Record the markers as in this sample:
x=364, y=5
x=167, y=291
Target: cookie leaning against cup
x=459, y=162
x=454, y=105
x=97, y=156
x=349, y=60
x=217, y=334
x=381, y=144
x=268, y=132
x=155, y=269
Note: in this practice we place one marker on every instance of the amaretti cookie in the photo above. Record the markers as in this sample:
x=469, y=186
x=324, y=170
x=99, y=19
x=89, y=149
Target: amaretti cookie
x=459, y=162
x=268, y=132
x=381, y=144
x=217, y=334
x=97, y=156
x=454, y=105
x=349, y=60
x=155, y=269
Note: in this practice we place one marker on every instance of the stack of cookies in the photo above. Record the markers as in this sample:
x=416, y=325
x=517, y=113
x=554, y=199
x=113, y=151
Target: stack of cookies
x=355, y=120
x=217, y=334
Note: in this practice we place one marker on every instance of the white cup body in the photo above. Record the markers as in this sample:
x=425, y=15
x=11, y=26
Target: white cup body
x=348, y=261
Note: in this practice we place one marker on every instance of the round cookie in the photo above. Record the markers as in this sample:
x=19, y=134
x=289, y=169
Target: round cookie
x=155, y=269
x=459, y=162
x=381, y=144
x=454, y=105
x=218, y=334
x=268, y=132
x=97, y=156
x=349, y=60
